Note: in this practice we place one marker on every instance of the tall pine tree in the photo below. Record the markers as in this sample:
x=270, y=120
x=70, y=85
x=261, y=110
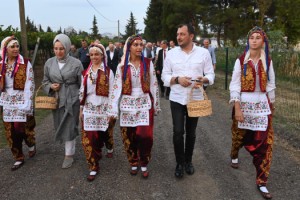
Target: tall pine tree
x=95, y=31
x=130, y=28
x=152, y=21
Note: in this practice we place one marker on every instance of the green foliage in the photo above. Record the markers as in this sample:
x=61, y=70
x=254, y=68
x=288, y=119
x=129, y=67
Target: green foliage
x=287, y=19
x=130, y=28
x=95, y=31
x=153, y=21
x=228, y=20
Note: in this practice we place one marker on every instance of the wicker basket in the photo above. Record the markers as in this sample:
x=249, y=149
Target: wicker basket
x=199, y=108
x=45, y=102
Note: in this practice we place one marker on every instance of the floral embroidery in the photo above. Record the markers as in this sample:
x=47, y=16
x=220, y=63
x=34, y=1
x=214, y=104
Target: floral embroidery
x=95, y=123
x=12, y=100
x=130, y=103
x=255, y=108
x=134, y=118
x=90, y=108
x=254, y=123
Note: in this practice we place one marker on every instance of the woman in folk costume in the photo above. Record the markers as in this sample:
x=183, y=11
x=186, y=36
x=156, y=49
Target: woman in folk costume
x=252, y=90
x=136, y=87
x=62, y=74
x=97, y=129
x=17, y=88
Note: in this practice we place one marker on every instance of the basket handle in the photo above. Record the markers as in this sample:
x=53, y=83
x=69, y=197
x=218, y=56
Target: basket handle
x=56, y=93
x=202, y=90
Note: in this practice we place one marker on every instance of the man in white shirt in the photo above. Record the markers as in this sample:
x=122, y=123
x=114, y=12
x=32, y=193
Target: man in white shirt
x=183, y=69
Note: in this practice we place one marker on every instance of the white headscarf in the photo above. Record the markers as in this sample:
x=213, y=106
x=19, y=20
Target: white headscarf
x=7, y=42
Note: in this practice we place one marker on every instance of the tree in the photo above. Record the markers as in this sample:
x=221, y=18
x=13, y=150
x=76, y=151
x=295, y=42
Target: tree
x=263, y=7
x=49, y=30
x=130, y=28
x=287, y=19
x=177, y=12
x=41, y=29
x=152, y=21
x=95, y=31
x=59, y=30
x=30, y=26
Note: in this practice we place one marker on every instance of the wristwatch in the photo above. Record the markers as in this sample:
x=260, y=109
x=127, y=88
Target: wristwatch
x=176, y=80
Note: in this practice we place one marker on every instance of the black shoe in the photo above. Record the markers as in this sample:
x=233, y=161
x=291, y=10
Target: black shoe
x=189, y=168
x=179, y=171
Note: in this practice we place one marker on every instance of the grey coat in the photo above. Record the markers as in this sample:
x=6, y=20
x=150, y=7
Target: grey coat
x=66, y=116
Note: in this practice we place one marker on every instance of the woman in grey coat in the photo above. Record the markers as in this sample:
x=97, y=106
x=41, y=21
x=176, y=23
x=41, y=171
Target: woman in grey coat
x=62, y=74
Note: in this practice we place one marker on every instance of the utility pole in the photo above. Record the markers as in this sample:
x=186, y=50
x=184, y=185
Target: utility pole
x=23, y=29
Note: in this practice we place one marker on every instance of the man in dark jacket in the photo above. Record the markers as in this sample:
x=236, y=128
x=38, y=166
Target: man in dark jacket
x=162, y=53
x=112, y=58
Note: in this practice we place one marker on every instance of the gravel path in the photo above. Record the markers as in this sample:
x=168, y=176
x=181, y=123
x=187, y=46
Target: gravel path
x=43, y=178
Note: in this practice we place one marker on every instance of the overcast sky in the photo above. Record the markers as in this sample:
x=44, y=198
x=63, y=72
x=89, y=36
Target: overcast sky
x=76, y=13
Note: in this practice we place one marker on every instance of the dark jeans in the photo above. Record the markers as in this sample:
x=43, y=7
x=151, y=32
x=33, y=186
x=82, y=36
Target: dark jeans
x=183, y=149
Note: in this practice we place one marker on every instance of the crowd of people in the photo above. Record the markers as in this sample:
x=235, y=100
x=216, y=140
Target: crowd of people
x=96, y=86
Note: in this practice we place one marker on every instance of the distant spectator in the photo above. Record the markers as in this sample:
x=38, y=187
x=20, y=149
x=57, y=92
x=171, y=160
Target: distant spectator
x=74, y=52
x=172, y=44
x=211, y=50
x=121, y=50
x=83, y=54
x=112, y=58
x=97, y=41
x=117, y=46
x=148, y=53
x=159, y=67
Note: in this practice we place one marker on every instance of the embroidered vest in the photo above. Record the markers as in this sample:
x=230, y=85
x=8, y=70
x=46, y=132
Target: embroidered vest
x=145, y=81
x=102, y=84
x=19, y=77
x=248, y=81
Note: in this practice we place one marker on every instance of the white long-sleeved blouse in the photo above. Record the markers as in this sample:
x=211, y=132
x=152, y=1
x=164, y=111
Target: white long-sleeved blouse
x=254, y=105
x=95, y=116
x=17, y=104
x=134, y=108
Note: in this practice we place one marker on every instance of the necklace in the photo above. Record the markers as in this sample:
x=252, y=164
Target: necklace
x=93, y=76
x=9, y=69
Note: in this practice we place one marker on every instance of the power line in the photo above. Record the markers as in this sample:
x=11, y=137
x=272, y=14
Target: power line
x=100, y=13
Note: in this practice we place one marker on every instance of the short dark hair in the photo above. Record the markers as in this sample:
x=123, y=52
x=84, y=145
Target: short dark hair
x=164, y=42
x=190, y=28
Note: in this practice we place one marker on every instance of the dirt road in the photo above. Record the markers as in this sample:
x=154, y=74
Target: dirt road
x=43, y=178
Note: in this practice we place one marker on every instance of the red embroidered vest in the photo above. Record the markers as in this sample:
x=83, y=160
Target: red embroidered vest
x=145, y=81
x=248, y=81
x=102, y=84
x=19, y=77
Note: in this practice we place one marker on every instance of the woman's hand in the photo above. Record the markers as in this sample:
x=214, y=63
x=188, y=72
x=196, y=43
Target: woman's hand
x=55, y=87
x=81, y=115
x=112, y=118
x=239, y=116
x=272, y=107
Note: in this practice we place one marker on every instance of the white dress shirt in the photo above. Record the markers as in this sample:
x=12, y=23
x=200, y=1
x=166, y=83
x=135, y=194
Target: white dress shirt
x=194, y=64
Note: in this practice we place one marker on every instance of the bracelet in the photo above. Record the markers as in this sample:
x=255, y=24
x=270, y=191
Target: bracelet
x=176, y=80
